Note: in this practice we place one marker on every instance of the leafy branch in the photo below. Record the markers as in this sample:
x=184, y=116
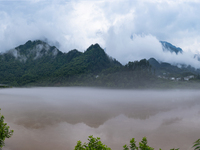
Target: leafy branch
x=5, y=131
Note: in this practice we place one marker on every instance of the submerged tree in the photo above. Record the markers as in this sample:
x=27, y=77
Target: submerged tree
x=5, y=132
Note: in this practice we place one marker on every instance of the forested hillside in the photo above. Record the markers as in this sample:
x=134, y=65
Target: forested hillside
x=36, y=63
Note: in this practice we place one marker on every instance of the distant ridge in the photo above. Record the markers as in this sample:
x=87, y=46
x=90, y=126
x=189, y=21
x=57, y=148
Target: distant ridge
x=37, y=60
x=169, y=47
x=36, y=63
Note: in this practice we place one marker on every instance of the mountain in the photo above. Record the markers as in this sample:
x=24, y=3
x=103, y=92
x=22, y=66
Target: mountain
x=169, y=70
x=164, y=68
x=93, y=60
x=169, y=47
x=33, y=50
x=173, y=70
x=38, y=61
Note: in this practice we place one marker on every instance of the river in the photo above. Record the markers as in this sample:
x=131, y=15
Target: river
x=52, y=118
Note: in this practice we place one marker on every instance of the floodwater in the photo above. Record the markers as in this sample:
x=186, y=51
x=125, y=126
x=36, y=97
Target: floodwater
x=56, y=118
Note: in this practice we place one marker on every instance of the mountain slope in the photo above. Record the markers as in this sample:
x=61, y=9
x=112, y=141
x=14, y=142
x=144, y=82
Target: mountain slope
x=168, y=70
x=93, y=60
x=36, y=60
x=169, y=47
x=33, y=50
x=37, y=63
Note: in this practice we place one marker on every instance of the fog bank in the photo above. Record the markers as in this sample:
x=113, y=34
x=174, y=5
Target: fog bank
x=56, y=118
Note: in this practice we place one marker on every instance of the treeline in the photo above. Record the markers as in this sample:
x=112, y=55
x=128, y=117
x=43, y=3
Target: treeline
x=136, y=74
x=38, y=64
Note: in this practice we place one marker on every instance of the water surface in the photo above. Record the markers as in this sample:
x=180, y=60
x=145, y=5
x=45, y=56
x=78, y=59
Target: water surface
x=56, y=118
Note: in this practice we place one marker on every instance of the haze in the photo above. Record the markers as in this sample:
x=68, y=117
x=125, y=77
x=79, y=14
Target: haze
x=56, y=118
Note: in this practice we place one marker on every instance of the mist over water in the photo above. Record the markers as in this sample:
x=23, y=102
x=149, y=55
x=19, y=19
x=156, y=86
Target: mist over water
x=56, y=118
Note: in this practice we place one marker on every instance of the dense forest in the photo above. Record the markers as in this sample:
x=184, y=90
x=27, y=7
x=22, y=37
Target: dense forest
x=38, y=64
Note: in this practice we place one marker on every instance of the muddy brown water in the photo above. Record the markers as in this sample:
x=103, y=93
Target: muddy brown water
x=56, y=118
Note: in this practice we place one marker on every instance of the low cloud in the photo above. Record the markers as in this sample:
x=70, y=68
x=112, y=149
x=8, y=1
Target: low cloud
x=126, y=47
x=129, y=30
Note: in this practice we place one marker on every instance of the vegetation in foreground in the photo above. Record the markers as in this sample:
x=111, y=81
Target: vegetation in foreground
x=196, y=145
x=96, y=144
x=5, y=132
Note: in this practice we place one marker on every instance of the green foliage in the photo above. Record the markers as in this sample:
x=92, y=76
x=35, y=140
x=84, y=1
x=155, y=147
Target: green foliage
x=132, y=145
x=125, y=147
x=96, y=144
x=142, y=145
x=5, y=132
x=93, y=144
x=196, y=145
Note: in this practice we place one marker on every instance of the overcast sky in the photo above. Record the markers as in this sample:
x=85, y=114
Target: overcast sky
x=128, y=29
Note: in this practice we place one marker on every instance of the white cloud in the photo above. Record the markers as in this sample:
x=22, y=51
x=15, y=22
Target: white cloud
x=78, y=24
x=145, y=46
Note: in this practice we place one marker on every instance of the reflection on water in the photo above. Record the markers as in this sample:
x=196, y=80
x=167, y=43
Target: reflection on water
x=56, y=118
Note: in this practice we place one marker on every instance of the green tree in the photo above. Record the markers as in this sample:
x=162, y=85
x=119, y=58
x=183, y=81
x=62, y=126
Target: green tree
x=132, y=145
x=93, y=144
x=143, y=145
x=5, y=132
x=96, y=144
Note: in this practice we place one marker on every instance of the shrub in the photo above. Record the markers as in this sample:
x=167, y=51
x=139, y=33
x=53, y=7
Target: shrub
x=4, y=131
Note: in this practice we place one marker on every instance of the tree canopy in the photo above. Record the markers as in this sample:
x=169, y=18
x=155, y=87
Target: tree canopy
x=96, y=144
x=93, y=144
